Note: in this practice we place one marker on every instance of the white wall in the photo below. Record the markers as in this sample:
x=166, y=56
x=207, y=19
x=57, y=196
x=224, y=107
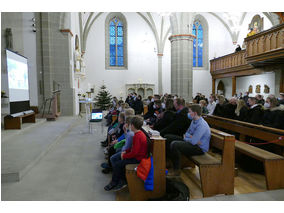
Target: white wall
x=29, y=43
x=220, y=43
x=142, y=59
x=242, y=83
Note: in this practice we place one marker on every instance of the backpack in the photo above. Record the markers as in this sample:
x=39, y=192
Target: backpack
x=175, y=191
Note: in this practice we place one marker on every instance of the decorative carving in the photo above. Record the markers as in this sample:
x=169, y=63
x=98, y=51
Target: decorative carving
x=77, y=55
x=9, y=38
x=266, y=89
x=256, y=24
x=250, y=89
x=257, y=88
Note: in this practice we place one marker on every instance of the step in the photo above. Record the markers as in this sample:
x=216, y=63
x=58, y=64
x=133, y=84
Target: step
x=22, y=150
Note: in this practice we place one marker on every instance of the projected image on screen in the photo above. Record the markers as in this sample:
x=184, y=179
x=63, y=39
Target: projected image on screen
x=18, y=80
x=17, y=67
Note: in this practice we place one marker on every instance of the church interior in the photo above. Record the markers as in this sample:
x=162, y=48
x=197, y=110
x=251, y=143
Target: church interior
x=51, y=150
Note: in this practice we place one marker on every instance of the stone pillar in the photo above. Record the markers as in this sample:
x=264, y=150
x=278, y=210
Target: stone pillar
x=181, y=65
x=160, y=74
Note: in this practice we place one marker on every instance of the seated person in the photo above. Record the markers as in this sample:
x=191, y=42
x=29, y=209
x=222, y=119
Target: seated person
x=211, y=104
x=241, y=110
x=281, y=99
x=229, y=108
x=203, y=105
x=195, y=141
x=255, y=111
x=157, y=111
x=133, y=155
x=272, y=113
x=180, y=123
x=115, y=153
x=238, y=48
x=259, y=100
x=219, y=109
x=113, y=128
x=166, y=117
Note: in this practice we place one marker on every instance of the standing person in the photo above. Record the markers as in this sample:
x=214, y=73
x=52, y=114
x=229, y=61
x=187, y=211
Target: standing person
x=195, y=141
x=138, y=105
x=133, y=155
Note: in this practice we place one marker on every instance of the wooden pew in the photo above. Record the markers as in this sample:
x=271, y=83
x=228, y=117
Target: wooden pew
x=145, y=107
x=273, y=163
x=136, y=185
x=246, y=129
x=217, y=176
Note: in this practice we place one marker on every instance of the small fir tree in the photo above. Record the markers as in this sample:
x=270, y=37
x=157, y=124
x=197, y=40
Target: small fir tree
x=103, y=98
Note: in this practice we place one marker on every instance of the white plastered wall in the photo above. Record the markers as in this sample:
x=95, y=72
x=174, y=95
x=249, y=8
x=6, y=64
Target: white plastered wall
x=220, y=43
x=142, y=58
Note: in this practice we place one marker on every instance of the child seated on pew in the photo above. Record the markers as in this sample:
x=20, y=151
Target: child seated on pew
x=133, y=155
x=112, y=128
x=114, y=151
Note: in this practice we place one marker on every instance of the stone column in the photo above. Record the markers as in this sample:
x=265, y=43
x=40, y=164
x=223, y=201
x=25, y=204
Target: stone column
x=160, y=74
x=181, y=65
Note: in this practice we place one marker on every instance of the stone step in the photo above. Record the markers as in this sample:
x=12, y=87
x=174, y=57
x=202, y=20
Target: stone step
x=22, y=150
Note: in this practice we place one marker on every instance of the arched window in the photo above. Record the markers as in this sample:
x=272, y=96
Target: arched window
x=200, y=43
x=116, y=48
x=197, y=30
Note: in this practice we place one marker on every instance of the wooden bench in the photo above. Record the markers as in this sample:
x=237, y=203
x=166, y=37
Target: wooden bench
x=273, y=164
x=246, y=129
x=145, y=109
x=136, y=185
x=16, y=122
x=217, y=176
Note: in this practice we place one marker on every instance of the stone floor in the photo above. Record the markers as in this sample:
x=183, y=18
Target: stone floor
x=70, y=170
x=63, y=160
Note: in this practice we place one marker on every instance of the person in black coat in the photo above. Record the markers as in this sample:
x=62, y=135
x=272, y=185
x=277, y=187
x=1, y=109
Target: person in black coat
x=255, y=112
x=241, y=110
x=180, y=123
x=272, y=113
x=220, y=106
x=166, y=117
x=151, y=109
x=138, y=105
x=229, y=108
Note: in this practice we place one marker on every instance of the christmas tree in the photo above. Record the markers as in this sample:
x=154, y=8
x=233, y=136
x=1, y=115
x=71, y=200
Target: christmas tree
x=103, y=98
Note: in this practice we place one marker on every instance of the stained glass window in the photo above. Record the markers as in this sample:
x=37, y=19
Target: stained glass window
x=116, y=52
x=197, y=30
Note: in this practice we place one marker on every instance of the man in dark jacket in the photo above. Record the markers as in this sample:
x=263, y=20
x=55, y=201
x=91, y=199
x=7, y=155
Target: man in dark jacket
x=176, y=129
x=255, y=112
